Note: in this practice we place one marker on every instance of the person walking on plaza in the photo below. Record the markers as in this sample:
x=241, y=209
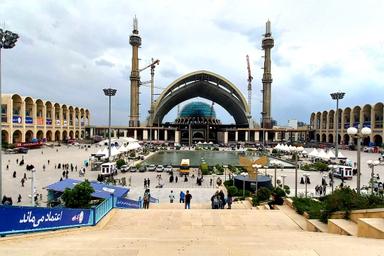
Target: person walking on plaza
x=182, y=197
x=145, y=183
x=171, y=197
x=229, y=201
x=188, y=198
x=19, y=199
x=43, y=167
x=14, y=174
x=22, y=182
x=146, y=199
x=176, y=179
x=222, y=199
x=148, y=182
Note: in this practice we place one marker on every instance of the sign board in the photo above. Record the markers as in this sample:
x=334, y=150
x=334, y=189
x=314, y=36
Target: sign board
x=19, y=218
x=28, y=120
x=48, y=121
x=126, y=203
x=58, y=122
x=16, y=119
x=40, y=121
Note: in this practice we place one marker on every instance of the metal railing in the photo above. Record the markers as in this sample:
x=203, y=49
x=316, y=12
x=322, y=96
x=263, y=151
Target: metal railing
x=102, y=209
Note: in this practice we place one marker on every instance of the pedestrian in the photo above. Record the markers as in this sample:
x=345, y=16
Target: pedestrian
x=43, y=167
x=25, y=176
x=42, y=152
x=145, y=183
x=188, y=198
x=17, y=160
x=19, y=198
x=182, y=197
x=7, y=167
x=222, y=199
x=148, y=182
x=48, y=161
x=22, y=182
x=229, y=201
x=14, y=174
x=63, y=173
x=171, y=197
x=146, y=199
x=210, y=182
x=176, y=179
x=55, y=166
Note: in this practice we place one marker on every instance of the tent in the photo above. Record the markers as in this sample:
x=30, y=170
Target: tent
x=314, y=153
x=323, y=155
x=341, y=156
x=132, y=146
x=331, y=155
x=304, y=152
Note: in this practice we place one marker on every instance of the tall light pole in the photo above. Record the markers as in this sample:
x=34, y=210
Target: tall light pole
x=359, y=134
x=337, y=96
x=8, y=40
x=109, y=92
x=306, y=182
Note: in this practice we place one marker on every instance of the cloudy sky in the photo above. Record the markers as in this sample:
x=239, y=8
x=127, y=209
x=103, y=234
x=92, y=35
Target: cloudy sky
x=69, y=51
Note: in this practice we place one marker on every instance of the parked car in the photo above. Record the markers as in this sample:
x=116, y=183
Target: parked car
x=132, y=169
x=143, y=168
x=168, y=169
x=160, y=168
x=124, y=168
x=151, y=168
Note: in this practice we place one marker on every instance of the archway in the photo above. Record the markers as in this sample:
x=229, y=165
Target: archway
x=57, y=136
x=323, y=138
x=317, y=137
x=40, y=135
x=366, y=141
x=356, y=116
x=198, y=136
x=49, y=136
x=330, y=138
x=346, y=139
x=378, y=109
x=29, y=136
x=71, y=135
x=4, y=137
x=324, y=118
x=65, y=135
x=39, y=112
x=378, y=140
x=29, y=111
x=206, y=85
x=77, y=134
x=347, y=118
x=17, y=136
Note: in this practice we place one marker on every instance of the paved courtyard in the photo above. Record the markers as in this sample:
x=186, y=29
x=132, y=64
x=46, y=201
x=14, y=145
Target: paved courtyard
x=75, y=155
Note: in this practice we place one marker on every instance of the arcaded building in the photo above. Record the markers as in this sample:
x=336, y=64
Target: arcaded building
x=24, y=119
x=324, y=124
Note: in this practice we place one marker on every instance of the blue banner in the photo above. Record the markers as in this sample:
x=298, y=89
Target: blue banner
x=18, y=219
x=48, y=121
x=127, y=203
x=28, y=120
x=16, y=119
x=153, y=200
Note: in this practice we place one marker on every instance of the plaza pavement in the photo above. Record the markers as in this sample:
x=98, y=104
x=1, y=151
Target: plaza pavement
x=77, y=156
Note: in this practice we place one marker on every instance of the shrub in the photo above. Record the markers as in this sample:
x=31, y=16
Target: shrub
x=312, y=207
x=120, y=163
x=204, y=168
x=263, y=194
x=279, y=192
x=79, y=196
x=287, y=190
x=255, y=201
x=232, y=190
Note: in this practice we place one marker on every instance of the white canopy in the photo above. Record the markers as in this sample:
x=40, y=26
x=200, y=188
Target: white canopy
x=314, y=153
x=323, y=155
x=114, y=151
x=304, y=152
x=341, y=156
x=330, y=154
x=132, y=146
x=300, y=149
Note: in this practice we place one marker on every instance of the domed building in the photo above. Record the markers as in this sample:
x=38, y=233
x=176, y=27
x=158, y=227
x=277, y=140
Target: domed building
x=197, y=113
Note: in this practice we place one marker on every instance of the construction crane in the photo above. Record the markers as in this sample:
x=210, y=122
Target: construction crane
x=152, y=66
x=250, y=78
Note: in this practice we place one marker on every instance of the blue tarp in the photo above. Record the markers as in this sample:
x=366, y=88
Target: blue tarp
x=101, y=190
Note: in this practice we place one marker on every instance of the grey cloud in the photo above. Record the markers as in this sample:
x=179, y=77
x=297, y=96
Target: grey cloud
x=329, y=71
x=169, y=73
x=103, y=62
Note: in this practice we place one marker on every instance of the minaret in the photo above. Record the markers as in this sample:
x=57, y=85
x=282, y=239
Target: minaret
x=267, y=44
x=135, y=41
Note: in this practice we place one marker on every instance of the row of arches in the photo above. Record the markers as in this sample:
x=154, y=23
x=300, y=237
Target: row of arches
x=345, y=139
x=41, y=112
x=29, y=135
x=366, y=116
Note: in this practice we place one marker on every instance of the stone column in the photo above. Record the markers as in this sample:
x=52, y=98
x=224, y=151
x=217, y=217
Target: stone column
x=277, y=136
x=91, y=132
x=177, y=137
x=145, y=135
x=266, y=137
x=125, y=133
x=165, y=135
x=155, y=135
x=257, y=136
x=246, y=136
x=236, y=136
x=225, y=137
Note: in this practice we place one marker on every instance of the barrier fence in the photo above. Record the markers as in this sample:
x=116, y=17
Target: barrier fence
x=24, y=219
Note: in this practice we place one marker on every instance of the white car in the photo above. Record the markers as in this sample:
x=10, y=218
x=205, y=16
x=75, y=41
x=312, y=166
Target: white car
x=151, y=168
x=160, y=168
x=168, y=169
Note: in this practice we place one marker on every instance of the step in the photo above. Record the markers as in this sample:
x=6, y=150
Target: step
x=315, y=225
x=342, y=227
x=370, y=227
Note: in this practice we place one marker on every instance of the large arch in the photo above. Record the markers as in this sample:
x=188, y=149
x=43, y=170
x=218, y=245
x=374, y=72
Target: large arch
x=17, y=136
x=207, y=85
x=49, y=135
x=347, y=118
x=29, y=136
x=378, y=140
x=40, y=135
x=378, y=110
x=4, y=137
x=367, y=115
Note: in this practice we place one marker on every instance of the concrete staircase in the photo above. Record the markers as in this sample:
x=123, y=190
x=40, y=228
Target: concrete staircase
x=190, y=232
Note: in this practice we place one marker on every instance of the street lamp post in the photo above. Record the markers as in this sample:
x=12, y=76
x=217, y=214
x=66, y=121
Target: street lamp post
x=295, y=154
x=372, y=165
x=8, y=40
x=306, y=182
x=283, y=177
x=337, y=96
x=359, y=134
x=109, y=92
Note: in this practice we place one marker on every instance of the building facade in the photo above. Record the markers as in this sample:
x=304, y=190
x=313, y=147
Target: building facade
x=24, y=119
x=324, y=124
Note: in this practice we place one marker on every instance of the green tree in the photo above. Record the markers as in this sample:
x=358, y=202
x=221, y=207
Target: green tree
x=120, y=163
x=79, y=196
x=204, y=168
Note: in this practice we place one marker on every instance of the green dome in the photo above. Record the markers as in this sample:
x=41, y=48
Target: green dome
x=198, y=109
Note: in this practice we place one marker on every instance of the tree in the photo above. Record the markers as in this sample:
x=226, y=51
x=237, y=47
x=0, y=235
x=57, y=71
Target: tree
x=120, y=163
x=79, y=196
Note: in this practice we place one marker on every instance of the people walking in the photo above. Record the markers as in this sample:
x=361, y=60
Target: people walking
x=182, y=197
x=146, y=199
x=145, y=183
x=171, y=197
x=188, y=198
